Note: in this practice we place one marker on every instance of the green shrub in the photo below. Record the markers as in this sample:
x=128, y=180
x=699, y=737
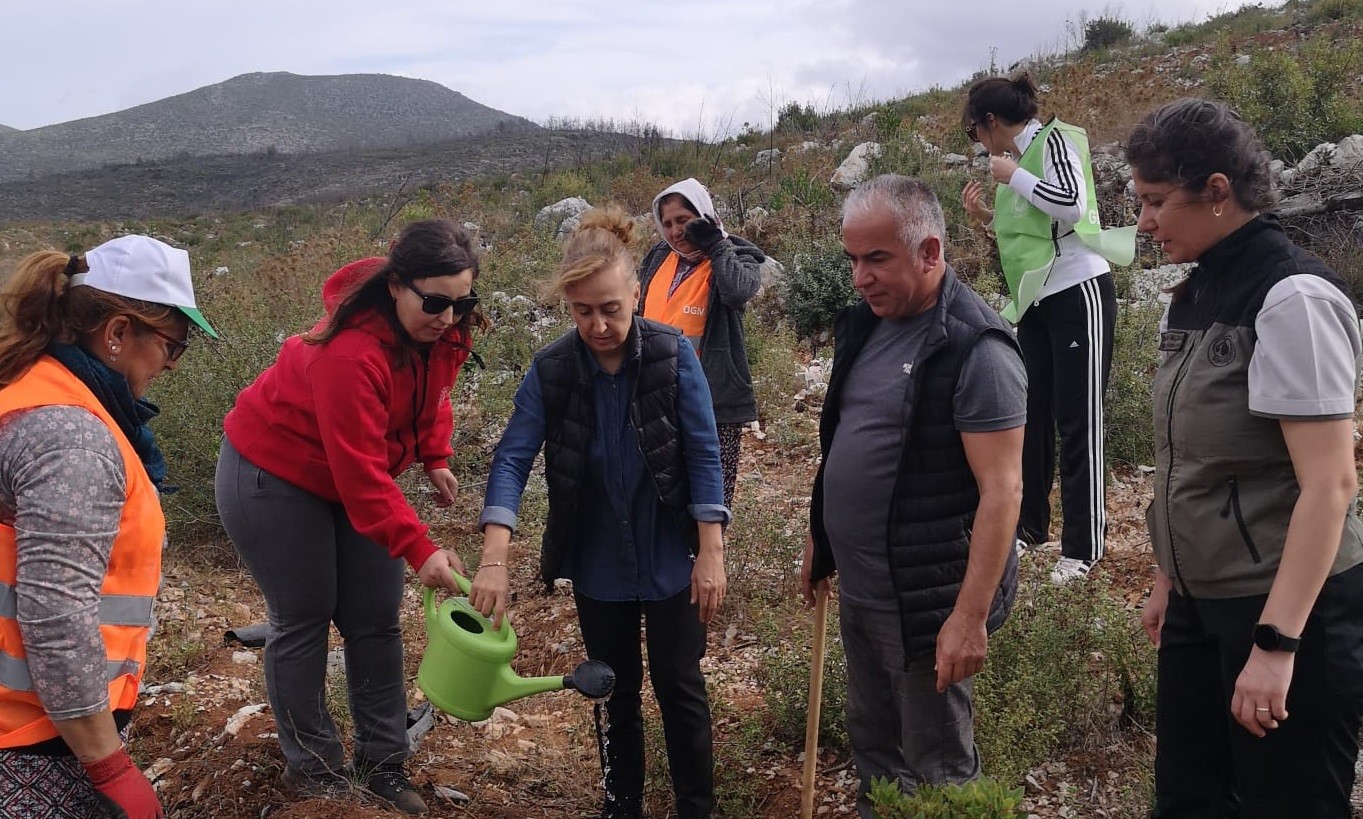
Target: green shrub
x=794, y=118
x=1070, y=667
x=979, y=799
x=1294, y=101
x=1105, y=32
x=1325, y=11
x=817, y=285
x=1129, y=419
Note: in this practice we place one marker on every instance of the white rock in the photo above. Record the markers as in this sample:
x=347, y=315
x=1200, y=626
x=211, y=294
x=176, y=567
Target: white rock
x=1318, y=158
x=766, y=158
x=1348, y=155
x=856, y=167
x=566, y=213
x=245, y=657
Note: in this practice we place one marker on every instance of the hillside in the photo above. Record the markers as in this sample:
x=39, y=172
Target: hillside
x=191, y=185
x=5, y=129
x=251, y=113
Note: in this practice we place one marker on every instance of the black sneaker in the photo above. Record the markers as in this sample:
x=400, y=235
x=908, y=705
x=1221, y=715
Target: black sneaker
x=325, y=785
x=391, y=785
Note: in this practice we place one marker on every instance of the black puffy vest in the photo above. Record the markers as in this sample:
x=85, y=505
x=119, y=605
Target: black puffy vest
x=935, y=494
x=570, y=418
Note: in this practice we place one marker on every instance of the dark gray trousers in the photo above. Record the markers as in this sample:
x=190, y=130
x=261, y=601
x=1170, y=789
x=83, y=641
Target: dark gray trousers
x=899, y=726
x=315, y=569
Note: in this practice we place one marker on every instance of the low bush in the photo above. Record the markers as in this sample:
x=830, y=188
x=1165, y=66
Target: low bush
x=1105, y=32
x=979, y=799
x=818, y=284
x=1069, y=669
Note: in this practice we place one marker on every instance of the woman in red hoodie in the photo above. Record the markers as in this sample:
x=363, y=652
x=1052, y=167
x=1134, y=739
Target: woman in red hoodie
x=305, y=487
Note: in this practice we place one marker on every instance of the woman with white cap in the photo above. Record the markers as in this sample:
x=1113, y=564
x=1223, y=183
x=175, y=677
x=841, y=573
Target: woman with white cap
x=81, y=528
x=699, y=279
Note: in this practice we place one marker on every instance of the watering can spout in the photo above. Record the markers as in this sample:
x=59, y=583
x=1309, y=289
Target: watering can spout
x=510, y=686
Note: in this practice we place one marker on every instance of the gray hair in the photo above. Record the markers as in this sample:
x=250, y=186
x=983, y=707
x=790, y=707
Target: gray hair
x=914, y=205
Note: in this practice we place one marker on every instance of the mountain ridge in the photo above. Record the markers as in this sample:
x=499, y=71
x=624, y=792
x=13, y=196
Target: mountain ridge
x=260, y=111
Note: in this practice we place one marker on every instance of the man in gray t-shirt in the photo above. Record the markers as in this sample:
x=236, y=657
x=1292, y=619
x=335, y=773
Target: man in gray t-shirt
x=916, y=501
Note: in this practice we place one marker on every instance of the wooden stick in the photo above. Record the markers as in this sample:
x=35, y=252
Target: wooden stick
x=815, y=701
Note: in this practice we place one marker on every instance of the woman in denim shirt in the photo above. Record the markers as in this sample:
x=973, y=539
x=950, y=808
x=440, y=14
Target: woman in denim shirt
x=636, y=511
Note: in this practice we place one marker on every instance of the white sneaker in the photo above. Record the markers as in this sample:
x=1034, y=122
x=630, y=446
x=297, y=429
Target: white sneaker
x=1068, y=569
x=1019, y=546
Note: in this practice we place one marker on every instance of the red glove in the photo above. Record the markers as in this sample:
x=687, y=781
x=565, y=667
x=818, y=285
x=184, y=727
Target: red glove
x=123, y=789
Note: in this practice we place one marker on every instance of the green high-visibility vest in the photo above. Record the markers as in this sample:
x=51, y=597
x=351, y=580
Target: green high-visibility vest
x=1027, y=235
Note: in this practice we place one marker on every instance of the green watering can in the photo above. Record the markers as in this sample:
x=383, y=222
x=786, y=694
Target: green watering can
x=466, y=671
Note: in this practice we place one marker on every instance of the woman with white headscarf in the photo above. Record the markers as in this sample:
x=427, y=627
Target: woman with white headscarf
x=699, y=279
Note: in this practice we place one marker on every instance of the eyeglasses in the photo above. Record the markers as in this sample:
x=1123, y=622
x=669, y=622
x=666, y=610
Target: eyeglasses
x=176, y=346
x=972, y=132
x=435, y=305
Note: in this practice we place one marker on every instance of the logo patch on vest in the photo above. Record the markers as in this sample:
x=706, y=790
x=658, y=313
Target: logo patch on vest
x=1171, y=341
x=1221, y=352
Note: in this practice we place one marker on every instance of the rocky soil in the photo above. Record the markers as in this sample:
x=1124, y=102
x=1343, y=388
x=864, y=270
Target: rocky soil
x=205, y=732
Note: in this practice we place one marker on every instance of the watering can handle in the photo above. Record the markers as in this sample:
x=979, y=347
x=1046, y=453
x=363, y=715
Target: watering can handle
x=428, y=594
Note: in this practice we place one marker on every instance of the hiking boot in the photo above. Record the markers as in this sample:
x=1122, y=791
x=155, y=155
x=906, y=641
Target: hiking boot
x=325, y=785
x=390, y=784
x=1070, y=569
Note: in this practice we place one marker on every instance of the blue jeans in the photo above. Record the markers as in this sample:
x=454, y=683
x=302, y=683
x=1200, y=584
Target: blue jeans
x=315, y=569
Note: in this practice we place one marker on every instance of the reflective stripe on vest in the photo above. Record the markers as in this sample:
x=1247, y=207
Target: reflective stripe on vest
x=685, y=308
x=130, y=581
x=14, y=672
x=114, y=609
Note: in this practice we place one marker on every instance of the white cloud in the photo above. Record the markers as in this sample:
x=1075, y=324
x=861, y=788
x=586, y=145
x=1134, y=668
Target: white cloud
x=705, y=64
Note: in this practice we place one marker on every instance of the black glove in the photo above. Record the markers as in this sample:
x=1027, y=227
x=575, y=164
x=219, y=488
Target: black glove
x=703, y=233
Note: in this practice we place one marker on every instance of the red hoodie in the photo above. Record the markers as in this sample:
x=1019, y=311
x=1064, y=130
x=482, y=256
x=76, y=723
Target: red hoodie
x=342, y=419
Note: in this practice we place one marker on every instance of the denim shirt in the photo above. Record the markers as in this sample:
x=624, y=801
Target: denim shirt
x=630, y=547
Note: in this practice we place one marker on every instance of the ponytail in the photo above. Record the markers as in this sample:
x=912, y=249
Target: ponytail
x=1011, y=101
x=602, y=240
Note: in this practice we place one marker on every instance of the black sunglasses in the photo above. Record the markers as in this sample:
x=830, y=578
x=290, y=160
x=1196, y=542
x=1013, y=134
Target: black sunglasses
x=177, y=346
x=972, y=132
x=435, y=305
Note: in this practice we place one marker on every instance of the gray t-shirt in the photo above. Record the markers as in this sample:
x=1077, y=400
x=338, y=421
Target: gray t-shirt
x=859, y=473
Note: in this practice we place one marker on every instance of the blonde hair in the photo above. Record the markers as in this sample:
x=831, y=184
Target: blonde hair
x=39, y=306
x=601, y=241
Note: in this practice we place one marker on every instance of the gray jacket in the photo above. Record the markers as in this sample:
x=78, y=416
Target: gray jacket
x=734, y=265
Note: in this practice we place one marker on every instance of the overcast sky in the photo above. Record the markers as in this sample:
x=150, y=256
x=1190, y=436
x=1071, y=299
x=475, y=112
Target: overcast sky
x=702, y=65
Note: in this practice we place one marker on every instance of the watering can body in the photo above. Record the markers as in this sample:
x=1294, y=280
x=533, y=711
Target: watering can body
x=466, y=670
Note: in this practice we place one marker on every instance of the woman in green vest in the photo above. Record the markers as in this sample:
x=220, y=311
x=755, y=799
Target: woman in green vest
x=1055, y=257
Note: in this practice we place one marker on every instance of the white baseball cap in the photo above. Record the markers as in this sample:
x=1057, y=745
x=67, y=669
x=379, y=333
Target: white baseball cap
x=140, y=267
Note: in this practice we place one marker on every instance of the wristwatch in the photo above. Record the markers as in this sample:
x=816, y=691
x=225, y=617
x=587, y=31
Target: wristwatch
x=1269, y=638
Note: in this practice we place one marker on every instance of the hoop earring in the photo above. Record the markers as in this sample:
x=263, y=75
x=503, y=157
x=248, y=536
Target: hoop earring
x=1217, y=210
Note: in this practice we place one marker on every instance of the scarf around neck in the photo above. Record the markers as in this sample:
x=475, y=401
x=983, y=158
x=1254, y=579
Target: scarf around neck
x=131, y=414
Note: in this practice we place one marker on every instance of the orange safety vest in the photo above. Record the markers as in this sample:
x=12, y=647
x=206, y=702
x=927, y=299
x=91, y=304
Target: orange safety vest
x=130, y=582
x=686, y=308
